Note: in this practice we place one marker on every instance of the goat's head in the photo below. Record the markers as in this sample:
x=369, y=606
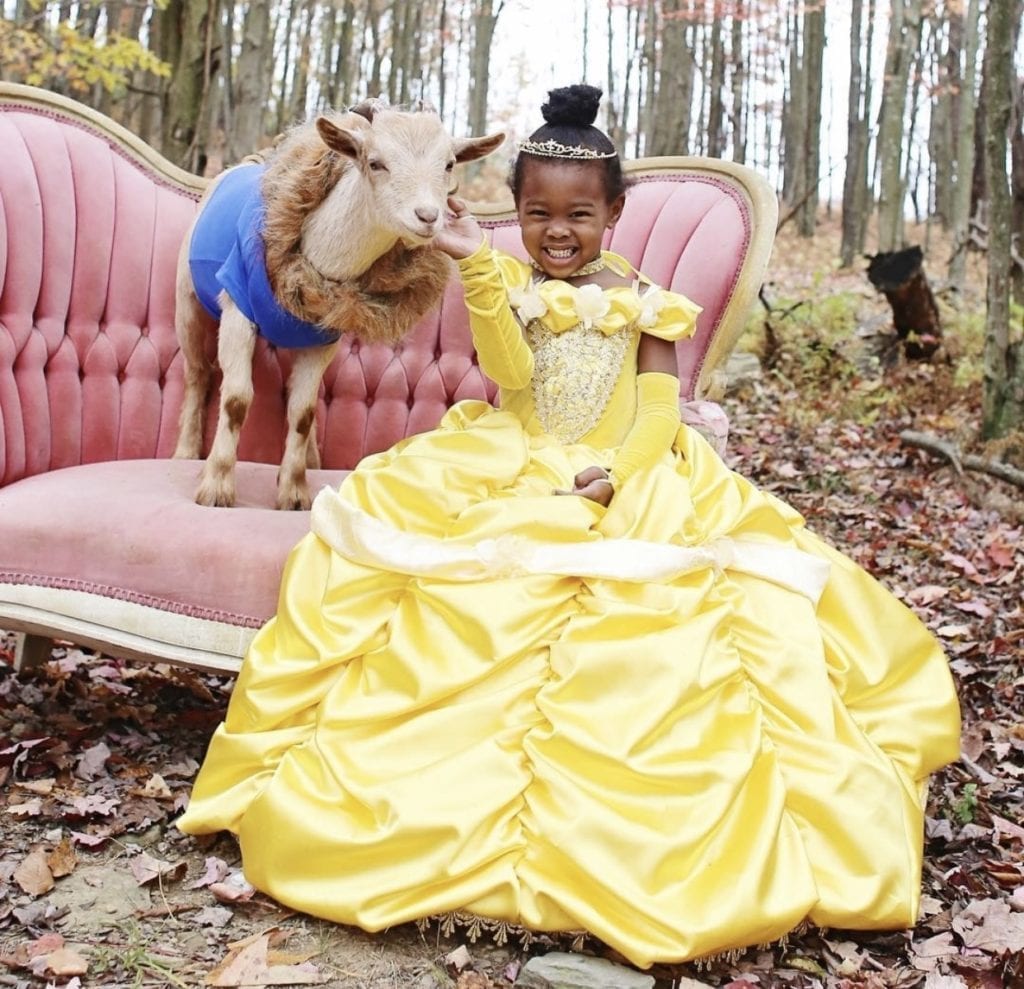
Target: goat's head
x=405, y=160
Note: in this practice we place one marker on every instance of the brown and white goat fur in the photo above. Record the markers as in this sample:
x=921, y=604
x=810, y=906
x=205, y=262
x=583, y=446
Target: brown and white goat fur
x=352, y=204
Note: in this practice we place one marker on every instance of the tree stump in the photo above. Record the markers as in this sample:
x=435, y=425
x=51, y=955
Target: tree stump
x=899, y=275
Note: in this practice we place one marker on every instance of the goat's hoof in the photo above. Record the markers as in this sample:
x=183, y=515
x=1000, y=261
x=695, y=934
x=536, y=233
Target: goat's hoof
x=216, y=494
x=294, y=500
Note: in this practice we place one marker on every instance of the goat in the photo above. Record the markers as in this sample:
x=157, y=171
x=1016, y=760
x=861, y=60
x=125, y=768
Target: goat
x=331, y=235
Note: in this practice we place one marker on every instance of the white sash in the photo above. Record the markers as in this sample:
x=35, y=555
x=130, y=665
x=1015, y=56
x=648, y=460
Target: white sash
x=360, y=537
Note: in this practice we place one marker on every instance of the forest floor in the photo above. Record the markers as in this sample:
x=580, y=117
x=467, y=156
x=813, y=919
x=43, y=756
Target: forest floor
x=97, y=888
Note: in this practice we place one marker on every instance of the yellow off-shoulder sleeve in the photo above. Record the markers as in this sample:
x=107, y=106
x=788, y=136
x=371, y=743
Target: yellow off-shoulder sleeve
x=667, y=315
x=504, y=355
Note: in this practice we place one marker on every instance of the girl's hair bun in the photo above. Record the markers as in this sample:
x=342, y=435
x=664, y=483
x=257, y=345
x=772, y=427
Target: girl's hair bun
x=575, y=106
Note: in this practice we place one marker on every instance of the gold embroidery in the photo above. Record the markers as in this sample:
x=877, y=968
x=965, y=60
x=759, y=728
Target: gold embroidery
x=573, y=377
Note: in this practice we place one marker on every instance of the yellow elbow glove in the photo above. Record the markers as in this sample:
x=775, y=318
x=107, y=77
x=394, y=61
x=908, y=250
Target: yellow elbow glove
x=654, y=428
x=504, y=355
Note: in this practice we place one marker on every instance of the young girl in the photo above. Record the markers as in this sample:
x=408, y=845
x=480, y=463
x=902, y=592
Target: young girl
x=554, y=664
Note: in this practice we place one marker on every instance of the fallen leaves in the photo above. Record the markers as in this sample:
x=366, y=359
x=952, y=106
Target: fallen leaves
x=145, y=868
x=252, y=962
x=33, y=875
x=47, y=955
x=991, y=926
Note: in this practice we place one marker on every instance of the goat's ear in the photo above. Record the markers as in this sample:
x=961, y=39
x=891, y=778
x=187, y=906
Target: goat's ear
x=471, y=148
x=341, y=139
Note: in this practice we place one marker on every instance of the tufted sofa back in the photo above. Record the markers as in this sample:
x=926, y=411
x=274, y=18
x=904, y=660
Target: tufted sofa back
x=91, y=220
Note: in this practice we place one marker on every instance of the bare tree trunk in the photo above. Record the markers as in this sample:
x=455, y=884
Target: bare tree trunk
x=945, y=112
x=252, y=81
x=904, y=38
x=1017, y=169
x=738, y=117
x=283, y=103
x=442, y=81
x=856, y=136
x=716, y=110
x=963, y=159
x=189, y=27
x=794, y=118
x=814, y=60
x=673, y=92
x=910, y=176
x=1003, y=395
x=647, y=111
x=485, y=19
x=343, y=67
x=299, y=89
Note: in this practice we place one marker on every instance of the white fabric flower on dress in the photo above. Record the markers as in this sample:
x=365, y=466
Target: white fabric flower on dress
x=527, y=303
x=652, y=302
x=590, y=304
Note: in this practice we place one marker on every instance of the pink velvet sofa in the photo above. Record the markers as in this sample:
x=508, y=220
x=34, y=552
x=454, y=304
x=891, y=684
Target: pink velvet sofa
x=100, y=540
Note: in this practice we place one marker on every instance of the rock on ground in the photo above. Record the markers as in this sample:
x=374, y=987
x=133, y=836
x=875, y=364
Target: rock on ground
x=559, y=970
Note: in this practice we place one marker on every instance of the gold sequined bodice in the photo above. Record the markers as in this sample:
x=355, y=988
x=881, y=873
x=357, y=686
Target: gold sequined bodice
x=574, y=374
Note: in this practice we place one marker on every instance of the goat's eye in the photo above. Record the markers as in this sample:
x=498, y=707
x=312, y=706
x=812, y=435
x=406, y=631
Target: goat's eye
x=449, y=166
x=376, y=165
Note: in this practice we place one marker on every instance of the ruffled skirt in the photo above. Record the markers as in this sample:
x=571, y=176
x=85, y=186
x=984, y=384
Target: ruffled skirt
x=681, y=723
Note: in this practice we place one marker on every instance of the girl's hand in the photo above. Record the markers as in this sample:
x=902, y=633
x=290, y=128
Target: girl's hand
x=592, y=483
x=461, y=235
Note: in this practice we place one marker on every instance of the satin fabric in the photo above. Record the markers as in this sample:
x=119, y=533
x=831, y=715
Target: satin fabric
x=680, y=766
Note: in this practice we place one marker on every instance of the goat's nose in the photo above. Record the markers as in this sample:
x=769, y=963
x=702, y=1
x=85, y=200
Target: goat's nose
x=428, y=214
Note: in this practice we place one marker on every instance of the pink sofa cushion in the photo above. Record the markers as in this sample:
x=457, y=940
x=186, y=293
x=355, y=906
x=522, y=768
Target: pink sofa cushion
x=226, y=566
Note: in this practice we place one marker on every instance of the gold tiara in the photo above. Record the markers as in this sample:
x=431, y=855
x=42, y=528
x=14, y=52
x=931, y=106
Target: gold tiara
x=555, y=149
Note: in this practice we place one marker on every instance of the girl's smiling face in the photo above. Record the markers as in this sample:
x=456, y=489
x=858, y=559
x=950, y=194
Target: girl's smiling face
x=564, y=212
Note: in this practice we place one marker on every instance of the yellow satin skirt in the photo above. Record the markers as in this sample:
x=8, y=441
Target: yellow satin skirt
x=681, y=723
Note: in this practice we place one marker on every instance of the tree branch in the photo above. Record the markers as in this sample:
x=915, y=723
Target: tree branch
x=943, y=448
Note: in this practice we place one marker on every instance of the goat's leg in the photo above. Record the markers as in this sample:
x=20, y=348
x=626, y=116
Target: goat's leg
x=303, y=384
x=193, y=325
x=235, y=345
x=312, y=450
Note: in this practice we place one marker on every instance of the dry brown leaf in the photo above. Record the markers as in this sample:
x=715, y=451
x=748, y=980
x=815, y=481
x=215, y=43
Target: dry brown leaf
x=459, y=958
x=42, y=787
x=33, y=875
x=1003, y=826
x=155, y=787
x=45, y=945
x=233, y=890
x=30, y=808
x=248, y=965
x=473, y=980
x=936, y=981
x=844, y=957
x=241, y=966
x=927, y=954
x=927, y=594
x=990, y=926
x=66, y=961
x=217, y=870
x=145, y=869
x=92, y=761
x=62, y=860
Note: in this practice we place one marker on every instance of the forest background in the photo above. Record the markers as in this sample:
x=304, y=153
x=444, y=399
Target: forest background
x=930, y=128
x=883, y=124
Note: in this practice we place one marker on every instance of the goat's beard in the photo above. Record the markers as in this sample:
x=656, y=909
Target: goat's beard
x=380, y=306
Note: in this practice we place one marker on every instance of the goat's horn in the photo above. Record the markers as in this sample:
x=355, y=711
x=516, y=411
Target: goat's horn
x=366, y=108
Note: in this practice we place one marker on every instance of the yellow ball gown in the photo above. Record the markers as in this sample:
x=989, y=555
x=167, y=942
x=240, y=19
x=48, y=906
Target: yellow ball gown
x=682, y=723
